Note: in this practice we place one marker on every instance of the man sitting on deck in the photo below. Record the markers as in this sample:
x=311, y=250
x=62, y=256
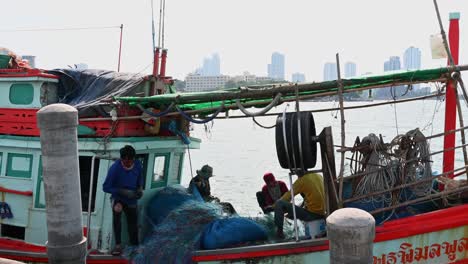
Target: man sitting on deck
x=271, y=192
x=310, y=185
x=202, y=183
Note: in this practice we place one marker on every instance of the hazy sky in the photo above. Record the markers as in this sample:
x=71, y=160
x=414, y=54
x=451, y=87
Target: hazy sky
x=243, y=32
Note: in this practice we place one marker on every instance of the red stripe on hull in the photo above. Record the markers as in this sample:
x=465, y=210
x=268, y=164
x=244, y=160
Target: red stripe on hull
x=415, y=225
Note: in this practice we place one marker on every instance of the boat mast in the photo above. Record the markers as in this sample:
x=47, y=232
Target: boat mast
x=120, y=47
x=451, y=98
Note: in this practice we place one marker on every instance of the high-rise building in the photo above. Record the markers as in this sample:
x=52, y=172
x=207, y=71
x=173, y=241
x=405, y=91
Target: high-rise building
x=329, y=72
x=392, y=64
x=211, y=66
x=298, y=77
x=412, y=58
x=350, y=69
x=276, y=68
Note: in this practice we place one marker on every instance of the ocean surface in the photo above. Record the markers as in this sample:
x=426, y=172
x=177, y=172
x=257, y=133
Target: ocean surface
x=240, y=152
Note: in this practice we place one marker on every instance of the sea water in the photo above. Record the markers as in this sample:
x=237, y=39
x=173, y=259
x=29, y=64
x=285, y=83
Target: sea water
x=241, y=152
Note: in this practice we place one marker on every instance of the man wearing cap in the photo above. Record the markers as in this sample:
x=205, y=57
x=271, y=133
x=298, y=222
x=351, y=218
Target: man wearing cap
x=202, y=182
x=271, y=191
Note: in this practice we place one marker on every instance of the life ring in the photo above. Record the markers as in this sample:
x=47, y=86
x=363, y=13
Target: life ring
x=307, y=133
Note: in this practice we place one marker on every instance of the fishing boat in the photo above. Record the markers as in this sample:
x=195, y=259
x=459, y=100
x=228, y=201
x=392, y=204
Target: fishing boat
x=118, y=109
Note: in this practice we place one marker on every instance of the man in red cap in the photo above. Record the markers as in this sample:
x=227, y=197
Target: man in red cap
x=271, y=191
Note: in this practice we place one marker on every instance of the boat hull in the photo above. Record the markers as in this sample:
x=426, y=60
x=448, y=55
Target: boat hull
x=436, y=237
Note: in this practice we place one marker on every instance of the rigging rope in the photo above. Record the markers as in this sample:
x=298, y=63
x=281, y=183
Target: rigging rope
x=190, y=160
x=189, y=118
x=160, y=114
x=261, y=112
x=262, y=126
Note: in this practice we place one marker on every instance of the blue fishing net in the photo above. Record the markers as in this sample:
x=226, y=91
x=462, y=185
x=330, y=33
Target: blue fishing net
x=179, y=220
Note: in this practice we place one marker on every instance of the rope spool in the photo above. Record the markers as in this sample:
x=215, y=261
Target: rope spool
x=307, y=134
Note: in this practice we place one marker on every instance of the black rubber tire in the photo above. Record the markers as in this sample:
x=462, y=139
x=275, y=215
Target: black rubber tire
x=309, y=147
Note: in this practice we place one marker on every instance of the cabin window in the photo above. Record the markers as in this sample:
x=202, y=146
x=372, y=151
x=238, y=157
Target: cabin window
x=1, y=160
x=85, y=180
x=12, y=231
x=19, y=165
x=21, y=93
x=160, y=170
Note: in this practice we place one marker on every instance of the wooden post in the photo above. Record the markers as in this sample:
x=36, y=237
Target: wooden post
x=328, y=168
x=340, y=97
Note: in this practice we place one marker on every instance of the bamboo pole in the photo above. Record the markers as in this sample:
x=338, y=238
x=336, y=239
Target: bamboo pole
x=288, y=90
x=428, y=197
x=233, y=106
x=335, y=193
x=340, y=97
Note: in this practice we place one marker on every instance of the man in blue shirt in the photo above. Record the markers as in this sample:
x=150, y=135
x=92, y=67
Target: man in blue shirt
x=125, y=184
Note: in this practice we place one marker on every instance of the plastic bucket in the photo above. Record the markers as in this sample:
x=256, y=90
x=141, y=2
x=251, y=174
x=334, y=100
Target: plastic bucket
x=4, y=61
x=315, y=227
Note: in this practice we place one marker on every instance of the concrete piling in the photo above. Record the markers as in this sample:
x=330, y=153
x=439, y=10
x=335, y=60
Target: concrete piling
x=351, y=232
x=9, y=261
x=59, y=142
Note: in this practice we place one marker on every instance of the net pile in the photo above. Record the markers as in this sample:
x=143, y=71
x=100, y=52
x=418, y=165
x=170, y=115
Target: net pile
x=178, y=222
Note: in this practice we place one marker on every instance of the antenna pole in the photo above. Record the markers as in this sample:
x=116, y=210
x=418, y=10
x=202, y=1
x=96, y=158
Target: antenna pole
x=120, y=47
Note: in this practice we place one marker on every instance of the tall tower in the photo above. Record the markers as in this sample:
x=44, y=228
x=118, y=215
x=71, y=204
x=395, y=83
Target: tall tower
x=329, y=72
x=350, y=69
x=215, y=64
x=412, y=58
x=298, y=77
x=392, y=92
x=211, y=66
x=392, y=64
x=276, y=68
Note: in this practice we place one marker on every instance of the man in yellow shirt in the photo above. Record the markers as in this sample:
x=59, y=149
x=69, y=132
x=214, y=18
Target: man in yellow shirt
x=310, y=185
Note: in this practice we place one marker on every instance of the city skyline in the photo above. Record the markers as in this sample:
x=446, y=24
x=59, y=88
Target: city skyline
x=411, y=59
x=194, y=29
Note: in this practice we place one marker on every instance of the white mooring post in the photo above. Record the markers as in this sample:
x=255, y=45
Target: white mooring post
x=59, y=142
x=351, y=232
x=9, y=261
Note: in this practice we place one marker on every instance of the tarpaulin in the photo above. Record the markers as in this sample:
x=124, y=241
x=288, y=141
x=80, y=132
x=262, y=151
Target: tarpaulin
x=85, y=89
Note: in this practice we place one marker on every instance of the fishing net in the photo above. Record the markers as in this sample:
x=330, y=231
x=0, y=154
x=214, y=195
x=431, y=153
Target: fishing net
x=178, y=222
